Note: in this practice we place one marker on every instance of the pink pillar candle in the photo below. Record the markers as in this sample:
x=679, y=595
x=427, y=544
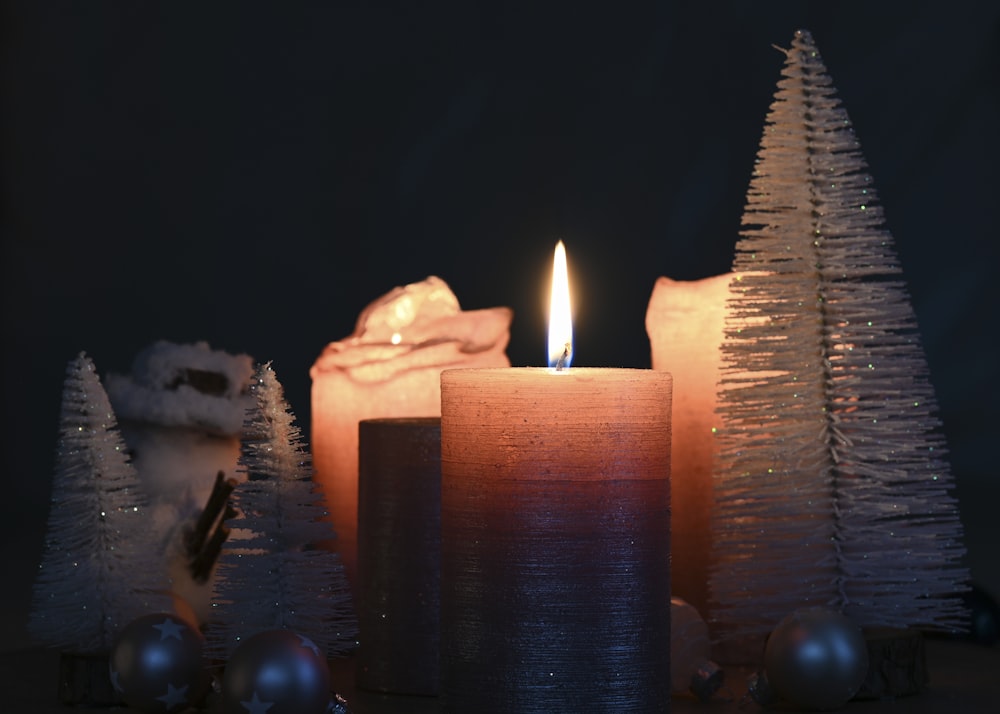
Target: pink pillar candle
x=390, y=367
x=555, y=538
x=685, y=322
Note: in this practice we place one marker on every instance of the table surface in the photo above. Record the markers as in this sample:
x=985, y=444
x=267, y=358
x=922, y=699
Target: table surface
x=965, y=679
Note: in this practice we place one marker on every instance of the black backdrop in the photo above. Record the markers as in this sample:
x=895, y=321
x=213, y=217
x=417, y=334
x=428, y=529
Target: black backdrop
x=253, y=174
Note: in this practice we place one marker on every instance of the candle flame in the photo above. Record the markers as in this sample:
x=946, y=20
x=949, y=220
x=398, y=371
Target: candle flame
x=560, y=313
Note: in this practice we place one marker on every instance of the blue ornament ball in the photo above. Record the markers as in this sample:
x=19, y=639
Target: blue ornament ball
x=156, y=664
x=277, y=672
x=816, y=658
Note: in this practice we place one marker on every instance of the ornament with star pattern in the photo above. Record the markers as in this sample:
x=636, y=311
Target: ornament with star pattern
x=277, y=672
x=156, y=664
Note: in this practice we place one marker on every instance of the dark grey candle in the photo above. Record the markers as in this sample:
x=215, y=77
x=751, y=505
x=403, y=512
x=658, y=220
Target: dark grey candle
x=399, y=554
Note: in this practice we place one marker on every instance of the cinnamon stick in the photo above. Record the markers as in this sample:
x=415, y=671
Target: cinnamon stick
x=203, y=562
x=218, y=500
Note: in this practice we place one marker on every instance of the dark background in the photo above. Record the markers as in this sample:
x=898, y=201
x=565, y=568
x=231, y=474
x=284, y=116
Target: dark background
x=253, y=174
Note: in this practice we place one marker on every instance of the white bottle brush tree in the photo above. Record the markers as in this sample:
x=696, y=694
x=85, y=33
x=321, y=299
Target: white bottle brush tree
x=276, y=570
x=832, y=487
x=94, y=577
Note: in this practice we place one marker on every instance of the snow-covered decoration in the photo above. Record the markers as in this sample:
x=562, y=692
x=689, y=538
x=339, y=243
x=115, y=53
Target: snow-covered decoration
x=831, y=483
x=277, y=570
x=184, y=385
x=181, y=412
x=94, y=576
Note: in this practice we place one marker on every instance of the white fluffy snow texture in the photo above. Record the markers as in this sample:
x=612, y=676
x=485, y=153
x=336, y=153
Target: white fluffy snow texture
x=149, y=394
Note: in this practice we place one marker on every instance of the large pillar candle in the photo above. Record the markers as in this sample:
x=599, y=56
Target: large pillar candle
x=555, y=530
x=685, y=322
x=390, y=367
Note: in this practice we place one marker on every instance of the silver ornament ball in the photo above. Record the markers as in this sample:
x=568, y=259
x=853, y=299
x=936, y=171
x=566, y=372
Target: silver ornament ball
x=156, y=664
x=816, y=658
x=277, y=672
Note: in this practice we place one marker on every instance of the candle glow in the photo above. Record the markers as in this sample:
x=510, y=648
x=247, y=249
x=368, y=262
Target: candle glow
x=560, y=313
x=390, y=367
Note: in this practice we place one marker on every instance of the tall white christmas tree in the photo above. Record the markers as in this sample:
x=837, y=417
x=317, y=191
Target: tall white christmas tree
x=276, y=570
x=94, y=576
x=832, y=486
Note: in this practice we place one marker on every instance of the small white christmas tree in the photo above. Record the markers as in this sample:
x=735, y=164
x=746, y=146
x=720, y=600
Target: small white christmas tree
x=94, y=577
x=275, y=571
x=831, y=487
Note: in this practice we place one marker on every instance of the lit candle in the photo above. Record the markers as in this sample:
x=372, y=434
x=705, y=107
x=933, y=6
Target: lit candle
x=390, y=367
x=685, y=322
x=555, y=530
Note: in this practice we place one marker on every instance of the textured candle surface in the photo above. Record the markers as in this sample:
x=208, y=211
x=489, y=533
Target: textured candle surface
x=555, y=528
x=399, y=554
x=390, y=367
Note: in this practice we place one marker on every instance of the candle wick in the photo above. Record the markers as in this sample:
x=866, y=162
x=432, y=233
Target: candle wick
x=563, y=358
